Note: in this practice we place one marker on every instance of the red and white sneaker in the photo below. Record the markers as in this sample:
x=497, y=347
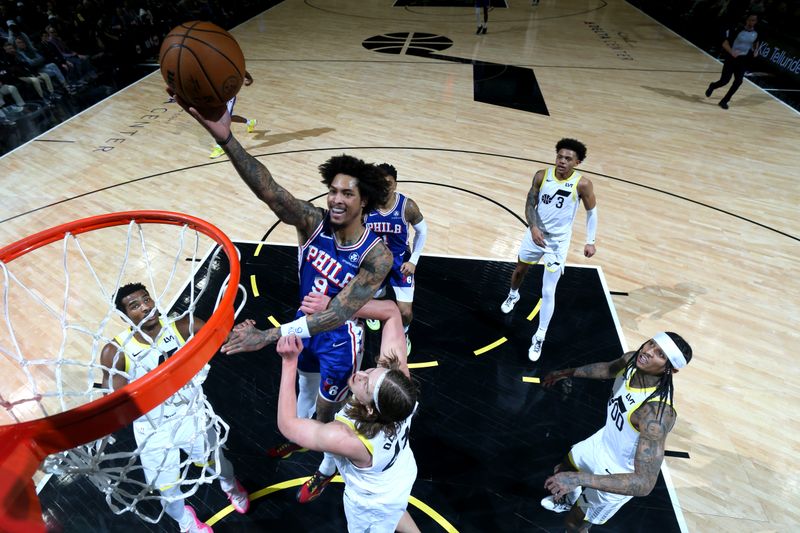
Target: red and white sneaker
x=313, y=487
x=284, y=450
x=239, y=498
x=196, y=526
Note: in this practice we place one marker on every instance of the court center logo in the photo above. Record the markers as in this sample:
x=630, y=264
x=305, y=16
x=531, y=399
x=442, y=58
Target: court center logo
x=413, y=43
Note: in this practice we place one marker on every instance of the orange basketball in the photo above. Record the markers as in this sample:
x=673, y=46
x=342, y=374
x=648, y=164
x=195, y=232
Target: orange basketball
x=202, y=63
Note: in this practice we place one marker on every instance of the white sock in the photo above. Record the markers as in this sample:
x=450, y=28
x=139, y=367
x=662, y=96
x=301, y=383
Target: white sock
x=513, y=292
x=328, y=466
x=308, y=385
x=540, y=334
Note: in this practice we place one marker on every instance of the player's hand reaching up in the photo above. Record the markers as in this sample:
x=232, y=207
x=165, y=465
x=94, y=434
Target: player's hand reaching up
x=217, y=121
x=289, y=347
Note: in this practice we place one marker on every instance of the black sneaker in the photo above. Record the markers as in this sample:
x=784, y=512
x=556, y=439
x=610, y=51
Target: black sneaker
x=709, y=91
x=723, y=104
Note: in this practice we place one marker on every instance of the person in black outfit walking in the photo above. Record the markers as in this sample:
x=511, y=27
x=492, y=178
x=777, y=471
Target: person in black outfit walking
x=740, y=44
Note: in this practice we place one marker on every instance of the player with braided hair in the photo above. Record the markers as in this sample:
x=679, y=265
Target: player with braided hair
x=623, y=459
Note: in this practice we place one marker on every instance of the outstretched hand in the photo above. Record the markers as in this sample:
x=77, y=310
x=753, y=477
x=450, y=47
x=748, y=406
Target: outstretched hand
x=217, y=121
x=245, y=337
x=289, y=347
x=314, y=302
x=554, y=377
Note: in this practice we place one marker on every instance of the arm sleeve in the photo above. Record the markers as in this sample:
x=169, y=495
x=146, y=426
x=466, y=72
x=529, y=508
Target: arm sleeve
x=420, y=234
x=591, y=225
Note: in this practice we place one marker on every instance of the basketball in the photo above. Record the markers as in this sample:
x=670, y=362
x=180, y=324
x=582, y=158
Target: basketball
x=202, y=63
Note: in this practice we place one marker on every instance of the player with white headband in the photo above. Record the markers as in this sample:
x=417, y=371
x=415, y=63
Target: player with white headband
x=623, y=459
x=368, y=437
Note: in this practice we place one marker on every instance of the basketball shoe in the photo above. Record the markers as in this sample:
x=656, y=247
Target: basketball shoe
x=194, y=523
x=510, y=302
x=408, y=345
x=216, y=152
x=557, y=506
x=535, y=351
x=251, y=125
x=284, y=450
x=239, y=498
x=313, y=487
x=374, y=325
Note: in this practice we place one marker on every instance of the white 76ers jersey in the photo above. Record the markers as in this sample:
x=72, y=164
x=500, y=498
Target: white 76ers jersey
x=557, y=204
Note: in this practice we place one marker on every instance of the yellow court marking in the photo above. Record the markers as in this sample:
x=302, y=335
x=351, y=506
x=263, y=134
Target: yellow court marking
x=535, y=310
x=258, y=249
x=426, y=364
x=273, y=321
x=422, y=506
x=529, y=379
x=492, y=346
x=253, y=285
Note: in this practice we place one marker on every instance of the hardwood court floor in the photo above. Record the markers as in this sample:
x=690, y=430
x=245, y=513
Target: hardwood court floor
x=698, y=220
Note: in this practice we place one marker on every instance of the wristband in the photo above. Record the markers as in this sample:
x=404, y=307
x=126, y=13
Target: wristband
x=297, y=327
x=227, y=139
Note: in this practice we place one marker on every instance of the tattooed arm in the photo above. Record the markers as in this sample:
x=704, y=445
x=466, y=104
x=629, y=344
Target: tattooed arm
x=531, y=215
x=647, y=461
x=289, y=209
x=245, y=337
x=374, y=267
x=603, y=370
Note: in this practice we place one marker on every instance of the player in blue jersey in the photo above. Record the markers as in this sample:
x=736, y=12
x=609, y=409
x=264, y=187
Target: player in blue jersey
x=391, y=221
x=338, y=256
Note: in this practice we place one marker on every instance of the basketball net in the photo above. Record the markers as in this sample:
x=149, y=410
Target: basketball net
x=52, y=335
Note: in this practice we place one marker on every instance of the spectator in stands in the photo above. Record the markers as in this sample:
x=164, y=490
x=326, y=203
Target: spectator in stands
x=18, y=69
x=79, y=61
x=27, y=53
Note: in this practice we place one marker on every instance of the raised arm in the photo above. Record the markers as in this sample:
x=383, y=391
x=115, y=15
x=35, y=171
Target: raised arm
x=299, y=213
x=112, y=357
x=333, y=437
x=653, y=430
x=531, y=215
x=602, y=370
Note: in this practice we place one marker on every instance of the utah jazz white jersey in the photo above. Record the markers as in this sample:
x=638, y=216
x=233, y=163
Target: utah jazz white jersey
x=620, y=438
x=141, y=358
x=557, y=204
x=393, y=469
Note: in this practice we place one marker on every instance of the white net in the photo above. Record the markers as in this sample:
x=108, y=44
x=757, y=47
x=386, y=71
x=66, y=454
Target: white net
x=58, y=314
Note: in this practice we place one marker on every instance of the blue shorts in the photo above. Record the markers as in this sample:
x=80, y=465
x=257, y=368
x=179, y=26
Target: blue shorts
x=403, y=285
x=335, y=355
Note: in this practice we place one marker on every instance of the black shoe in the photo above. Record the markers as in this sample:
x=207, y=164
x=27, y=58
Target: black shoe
x=479, y=31
x=709, y=91
x=484, y=30
x=723, y=104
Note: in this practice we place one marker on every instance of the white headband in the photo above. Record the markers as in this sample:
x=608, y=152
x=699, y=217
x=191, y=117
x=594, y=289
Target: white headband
x=671, y=350
x=378, y=388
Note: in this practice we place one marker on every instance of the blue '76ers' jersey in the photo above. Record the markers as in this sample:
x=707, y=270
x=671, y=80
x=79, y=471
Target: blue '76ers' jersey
x=392, y=226
x=326, y=267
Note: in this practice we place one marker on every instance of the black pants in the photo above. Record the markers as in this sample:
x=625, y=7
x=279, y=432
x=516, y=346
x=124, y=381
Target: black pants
x=734, y=67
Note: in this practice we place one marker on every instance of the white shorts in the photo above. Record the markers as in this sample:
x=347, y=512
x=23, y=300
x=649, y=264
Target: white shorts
x=367, y=517
x=591, y=455
x=160, y=448
x=554, y=252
